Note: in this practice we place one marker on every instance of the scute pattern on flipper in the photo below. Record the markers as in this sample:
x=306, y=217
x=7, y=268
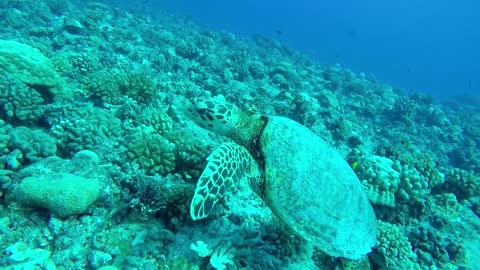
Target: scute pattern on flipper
x=226, y=166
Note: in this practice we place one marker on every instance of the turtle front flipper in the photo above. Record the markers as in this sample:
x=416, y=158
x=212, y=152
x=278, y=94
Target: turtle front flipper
x=226, y=166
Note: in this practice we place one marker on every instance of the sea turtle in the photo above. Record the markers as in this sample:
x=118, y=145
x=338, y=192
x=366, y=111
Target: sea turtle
x=301, y=178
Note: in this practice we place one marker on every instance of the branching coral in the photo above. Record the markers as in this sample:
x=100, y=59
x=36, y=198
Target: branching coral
x=412, y=184
x=190, y=152
x=404, y=108
x=425, y=165
x=86, y=63
x=31, y=67
x=156, y=118
x=186, y=49
x=33, y=144
x=151, y=151
x=464, y=184
x=394, y=246
x=18, y=102
x=380, y=179
x=84, y=127
x=139, y=87
x=388, y=182
x=114, y=89
x=101, y=85
x=434, y=248
x=147, y=192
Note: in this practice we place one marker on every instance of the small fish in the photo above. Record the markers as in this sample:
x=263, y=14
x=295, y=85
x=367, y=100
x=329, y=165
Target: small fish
x=354, y=165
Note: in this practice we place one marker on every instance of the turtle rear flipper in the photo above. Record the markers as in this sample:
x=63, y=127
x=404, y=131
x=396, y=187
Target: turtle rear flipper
x=227, y=165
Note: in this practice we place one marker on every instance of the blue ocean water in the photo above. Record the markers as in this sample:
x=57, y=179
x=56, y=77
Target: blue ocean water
x=426, y=46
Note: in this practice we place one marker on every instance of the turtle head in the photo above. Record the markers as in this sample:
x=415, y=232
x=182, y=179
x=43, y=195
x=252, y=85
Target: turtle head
x=214, y=114
x=219, y=116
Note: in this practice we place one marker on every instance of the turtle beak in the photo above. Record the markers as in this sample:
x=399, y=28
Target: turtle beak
x=189, y=110
x=196, y=111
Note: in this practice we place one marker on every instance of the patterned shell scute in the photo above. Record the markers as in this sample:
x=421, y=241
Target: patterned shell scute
x=313, y=190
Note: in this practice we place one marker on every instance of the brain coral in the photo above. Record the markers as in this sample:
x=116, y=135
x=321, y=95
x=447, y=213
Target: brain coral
x=64, y=194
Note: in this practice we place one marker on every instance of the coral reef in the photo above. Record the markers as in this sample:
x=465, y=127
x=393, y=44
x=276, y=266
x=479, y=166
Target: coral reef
x=395, y=247
x=99, y=164
x=114, y=90
x=31, y=67
x=33, y=145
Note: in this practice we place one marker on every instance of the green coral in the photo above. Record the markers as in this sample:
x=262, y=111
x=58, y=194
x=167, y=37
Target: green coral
x=189, y=150
x=84, y=128
x=151, y=151
x=257, y=70
x=380, y=179
x=464, y=184
x=31, y=67
x=186, y=50
x=63, y=64
x=425, y=165
x=102, y=85
x=114, y=89
x=157, y=118
x=62, y=193
x=190, y=153
x=18, y=102
x=434, y=247
x=404, y=108
x=168, y=196
x=5, y=166
x=85, y=62
x=388, y=182
x=182, y=263
x=286, y=70
x=445, y=206
x=412, y=184
x=34, y=144
x=395, y=248
x=178, y=194
x=139, y=87
x=5, y=178
x=4, y=137
x=286, y=242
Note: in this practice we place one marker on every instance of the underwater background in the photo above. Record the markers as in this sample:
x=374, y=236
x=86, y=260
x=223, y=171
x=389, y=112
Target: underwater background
x=99, y=163
x=427, y=46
